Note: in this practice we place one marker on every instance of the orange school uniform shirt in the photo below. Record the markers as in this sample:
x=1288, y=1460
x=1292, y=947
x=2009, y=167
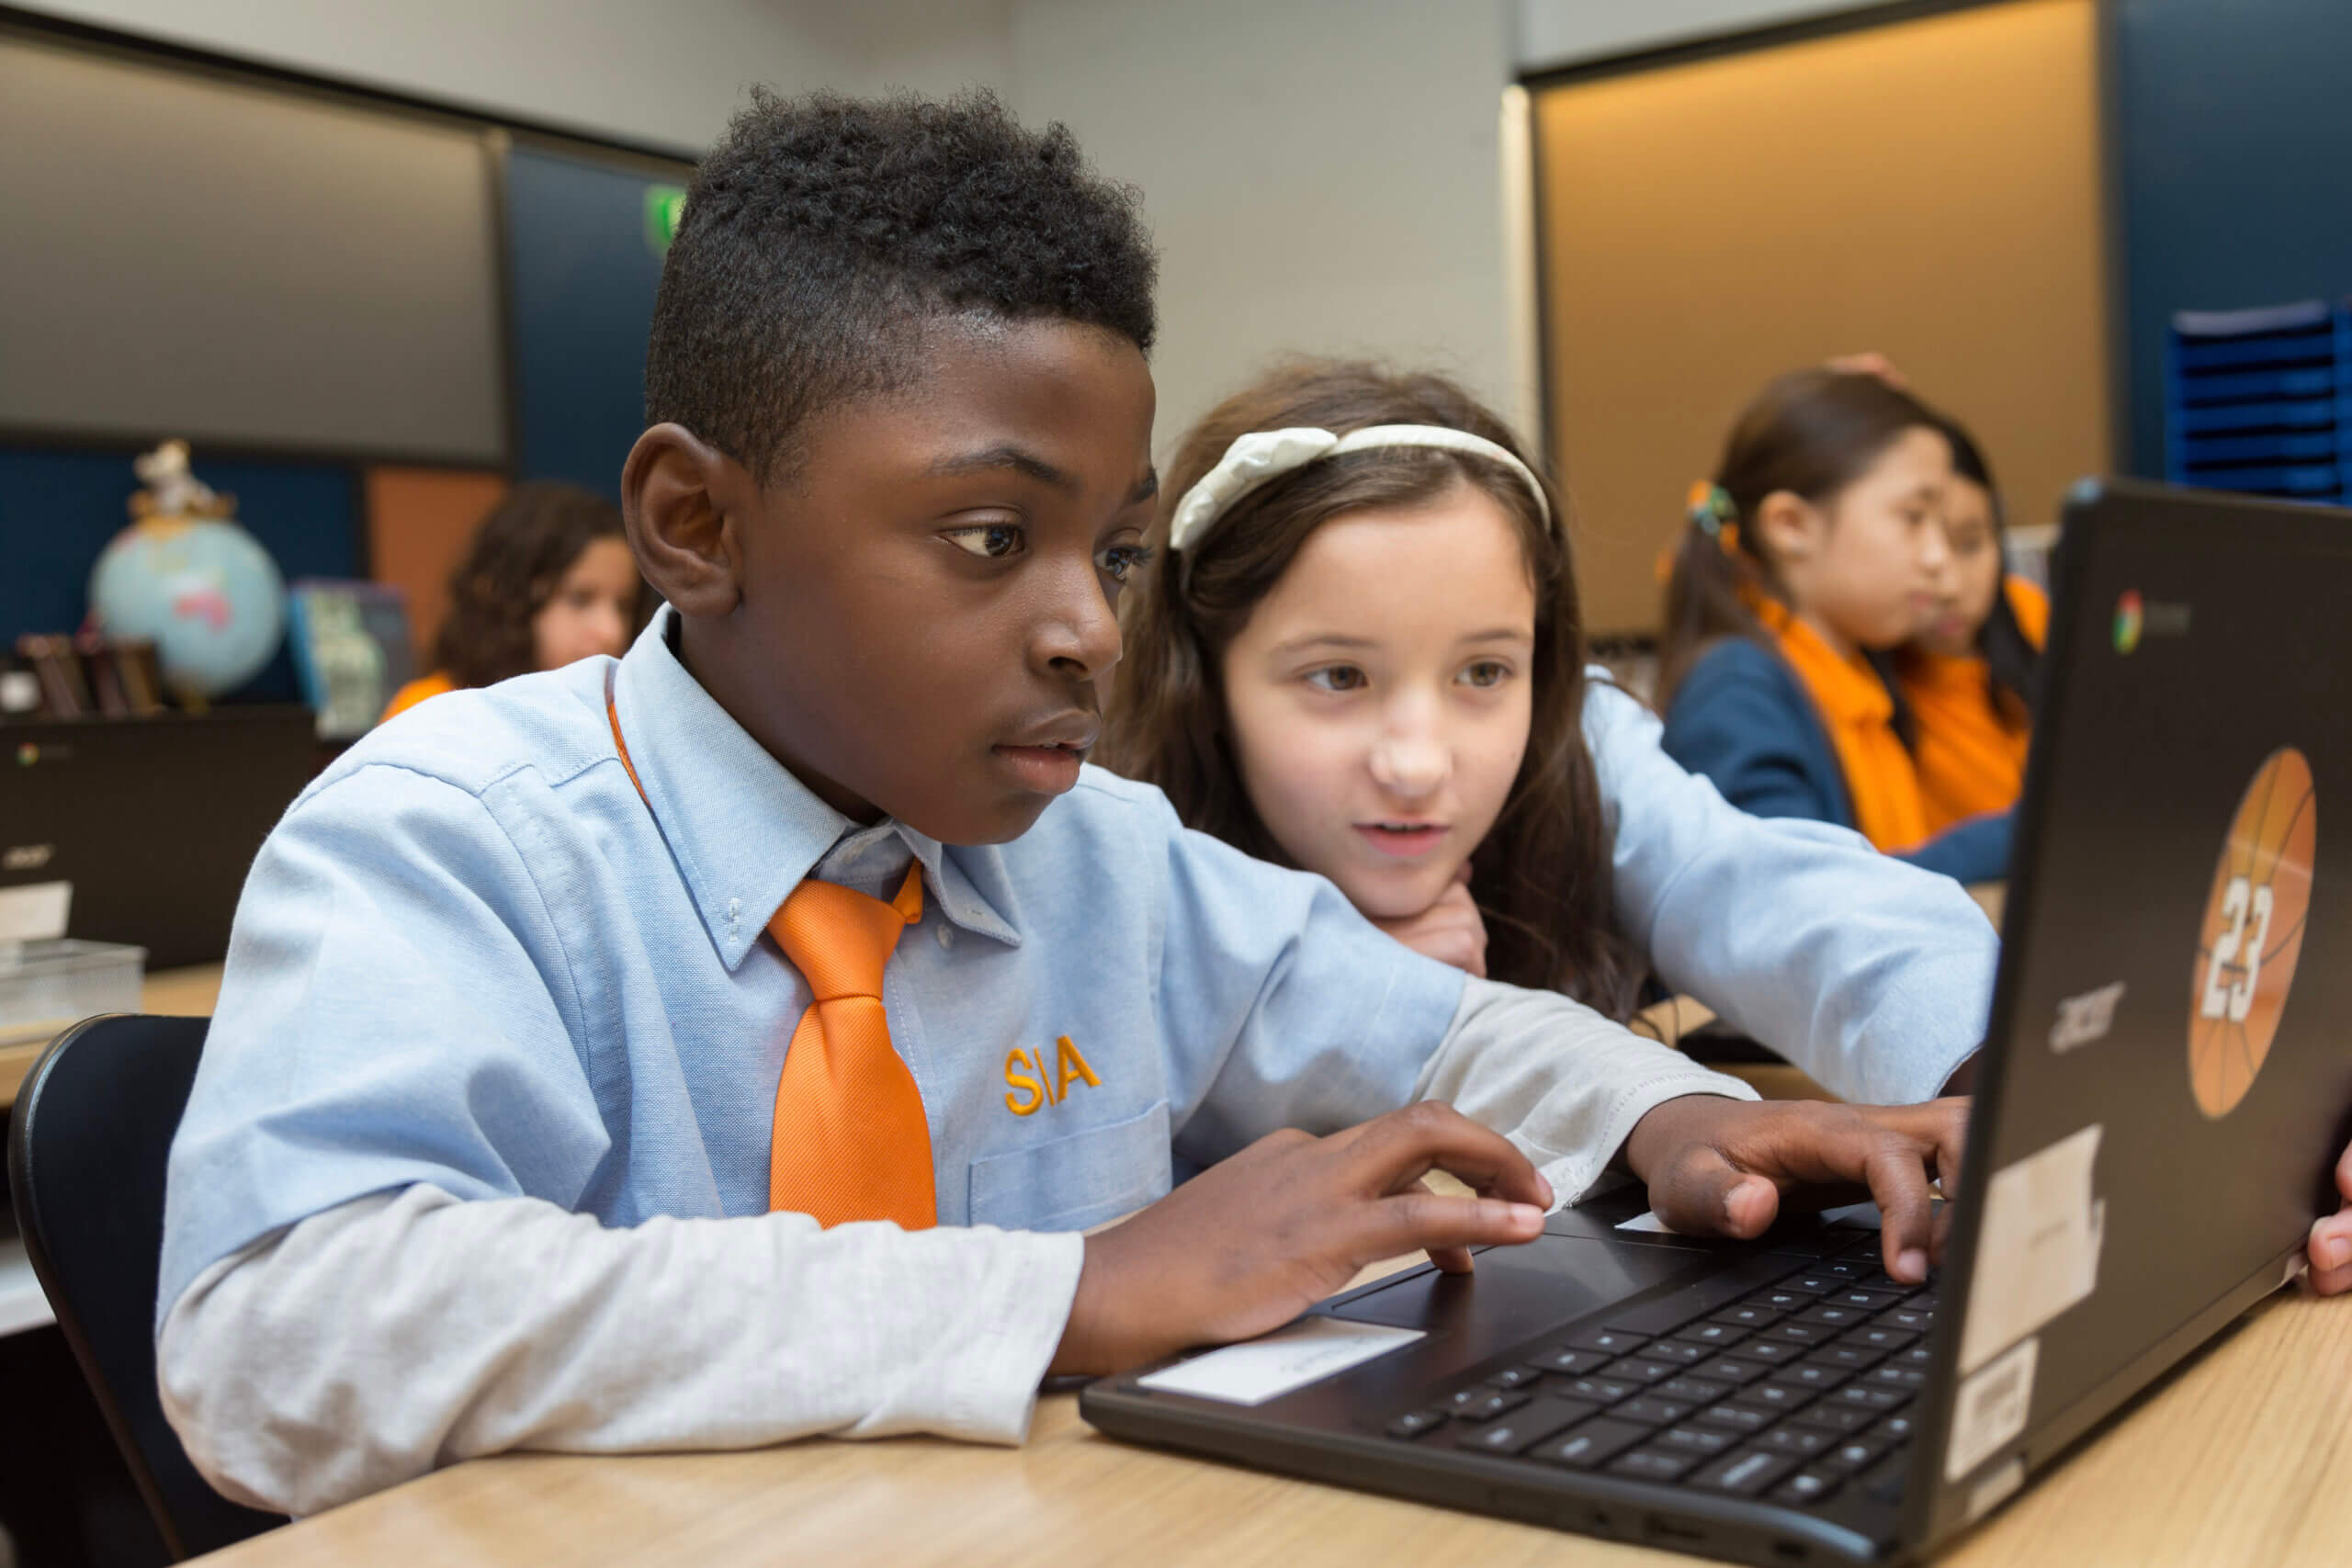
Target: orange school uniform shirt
x=1972, y=745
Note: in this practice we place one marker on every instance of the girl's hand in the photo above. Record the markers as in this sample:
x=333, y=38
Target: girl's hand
x=1255, y=1240
x=1718, y=1167
x=1449, y=931
x=2331, y=1243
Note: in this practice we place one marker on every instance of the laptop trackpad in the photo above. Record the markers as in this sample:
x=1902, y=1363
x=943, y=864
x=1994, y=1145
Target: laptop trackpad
x=1519, y=1291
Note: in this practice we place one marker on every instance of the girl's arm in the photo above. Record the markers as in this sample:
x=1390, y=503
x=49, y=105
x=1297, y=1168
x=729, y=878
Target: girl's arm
x=1740, y=721
x=1974, y=851
x=1873, y=976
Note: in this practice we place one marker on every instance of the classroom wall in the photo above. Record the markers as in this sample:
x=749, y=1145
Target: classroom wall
x=1321, y=174
x=664, y=73
x=1271, y=137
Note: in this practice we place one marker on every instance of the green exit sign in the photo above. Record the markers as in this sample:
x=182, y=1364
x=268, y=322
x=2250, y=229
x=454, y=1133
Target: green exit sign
x=664, y=206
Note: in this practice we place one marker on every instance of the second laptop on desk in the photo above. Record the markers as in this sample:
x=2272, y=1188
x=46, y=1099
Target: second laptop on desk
x=2161, y=1096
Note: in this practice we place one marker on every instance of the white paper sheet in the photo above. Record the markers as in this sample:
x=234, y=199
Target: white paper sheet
x=1259, y=1370
x=1992, y=1409
x=35, y=912
x=2038, y=1253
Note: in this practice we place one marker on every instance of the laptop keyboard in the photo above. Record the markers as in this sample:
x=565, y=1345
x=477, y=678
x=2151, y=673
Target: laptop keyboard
x=1795, y=1390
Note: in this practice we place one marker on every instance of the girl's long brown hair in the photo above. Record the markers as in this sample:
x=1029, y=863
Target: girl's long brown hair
x=1542, y=878
x=1810, y=433
x=518, y=558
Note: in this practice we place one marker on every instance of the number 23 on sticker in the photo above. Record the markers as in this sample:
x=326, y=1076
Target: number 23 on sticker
x=2223, y=997
x=2253, y=931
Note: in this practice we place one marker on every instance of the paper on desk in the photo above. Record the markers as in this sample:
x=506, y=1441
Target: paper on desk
x=35, y=912
x=1259, y=1370
x=2038, y=1252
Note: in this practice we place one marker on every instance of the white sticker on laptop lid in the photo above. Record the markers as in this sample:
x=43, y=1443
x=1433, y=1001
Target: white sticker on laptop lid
x=1259, y=1370
x=35, y=912
x=2038, y=1252
x=1991, y=1409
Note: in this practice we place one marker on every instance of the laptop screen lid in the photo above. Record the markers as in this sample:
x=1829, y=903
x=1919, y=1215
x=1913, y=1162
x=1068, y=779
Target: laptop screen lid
x=2165, y=1086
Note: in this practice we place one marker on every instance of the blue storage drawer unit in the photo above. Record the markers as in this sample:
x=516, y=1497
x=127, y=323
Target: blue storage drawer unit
x=2261, y=400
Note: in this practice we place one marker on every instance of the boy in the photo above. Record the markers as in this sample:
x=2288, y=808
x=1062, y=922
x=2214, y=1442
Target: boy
x=555, y=1089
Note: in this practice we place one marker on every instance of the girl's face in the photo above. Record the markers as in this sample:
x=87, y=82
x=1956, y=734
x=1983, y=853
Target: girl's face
x=1379, y=699
x=1870, y=567
x=1976, y=575
x=589, y=611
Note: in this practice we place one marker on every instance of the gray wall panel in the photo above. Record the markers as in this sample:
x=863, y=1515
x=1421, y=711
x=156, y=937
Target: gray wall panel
x=187, y=255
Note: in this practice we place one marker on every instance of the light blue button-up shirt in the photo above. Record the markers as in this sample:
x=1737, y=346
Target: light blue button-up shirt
x=471, y=956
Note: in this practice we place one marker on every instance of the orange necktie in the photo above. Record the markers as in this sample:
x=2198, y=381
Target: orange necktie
x=850, y=1140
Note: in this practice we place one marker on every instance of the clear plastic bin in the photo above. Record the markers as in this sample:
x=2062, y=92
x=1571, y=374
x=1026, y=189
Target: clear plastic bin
x=45, y=985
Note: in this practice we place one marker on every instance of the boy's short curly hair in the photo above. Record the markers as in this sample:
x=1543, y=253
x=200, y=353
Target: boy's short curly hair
x=823, y=233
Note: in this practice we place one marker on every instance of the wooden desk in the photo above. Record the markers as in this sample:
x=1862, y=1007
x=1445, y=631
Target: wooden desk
x=2247, y=1457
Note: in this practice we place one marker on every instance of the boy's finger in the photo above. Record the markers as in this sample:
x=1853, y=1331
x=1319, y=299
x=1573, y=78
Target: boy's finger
x=1702, y=1193
x=2331, y=1253
x=1419, y=1220
x=2343, y=1174
x=1391, y=1153
x=1906, y=1212
x=1952, y=1141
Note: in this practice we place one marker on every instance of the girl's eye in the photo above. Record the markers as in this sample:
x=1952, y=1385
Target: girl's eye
x=1486, y=673
x=994, y=541
x=1121, y=561
x=1340, y=678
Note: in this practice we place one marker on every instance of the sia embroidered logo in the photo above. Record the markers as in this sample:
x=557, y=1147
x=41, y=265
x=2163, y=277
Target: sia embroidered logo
x=2253, y=931
x=1030, y=1083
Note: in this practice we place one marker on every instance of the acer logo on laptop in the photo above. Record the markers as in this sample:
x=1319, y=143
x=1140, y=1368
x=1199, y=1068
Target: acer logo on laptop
x=25, y=857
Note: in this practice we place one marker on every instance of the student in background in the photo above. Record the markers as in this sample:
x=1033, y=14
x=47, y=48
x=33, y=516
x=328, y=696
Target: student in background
x=547, y=581
x=1818, y=548
x=1968, y=677
x=1368, y=662
x=577, y=1081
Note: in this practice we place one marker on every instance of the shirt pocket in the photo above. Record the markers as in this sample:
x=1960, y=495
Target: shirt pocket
x=1077, y=1180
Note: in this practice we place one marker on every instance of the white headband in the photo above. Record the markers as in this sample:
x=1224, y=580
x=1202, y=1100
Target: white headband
x=1265, y=454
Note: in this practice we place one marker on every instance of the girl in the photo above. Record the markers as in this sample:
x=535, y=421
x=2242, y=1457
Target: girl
x=1968, y=679
x=548, y=579
x=1818, y=548
x=1361, y=653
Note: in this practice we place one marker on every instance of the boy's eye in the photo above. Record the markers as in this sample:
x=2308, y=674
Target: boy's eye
x=1121, y=561
x=1338, y=678
x=995, y=541
x=1486, y=673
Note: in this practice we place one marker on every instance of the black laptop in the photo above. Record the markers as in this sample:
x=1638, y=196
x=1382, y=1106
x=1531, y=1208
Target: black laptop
x=2164, y=1091
x=151, y=822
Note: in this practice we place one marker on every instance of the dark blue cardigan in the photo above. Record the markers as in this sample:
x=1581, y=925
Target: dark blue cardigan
x=1742, y=718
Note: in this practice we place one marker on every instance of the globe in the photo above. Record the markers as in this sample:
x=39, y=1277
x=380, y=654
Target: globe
x=203, y=590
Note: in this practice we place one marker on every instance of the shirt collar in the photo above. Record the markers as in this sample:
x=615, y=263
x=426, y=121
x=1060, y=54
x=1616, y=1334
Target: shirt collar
x=744, y=830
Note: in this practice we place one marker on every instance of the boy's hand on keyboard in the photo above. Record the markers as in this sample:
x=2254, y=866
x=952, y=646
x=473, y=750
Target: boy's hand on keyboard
x=2331, y=1242
x=1719, y=1166
x=1252, y=1242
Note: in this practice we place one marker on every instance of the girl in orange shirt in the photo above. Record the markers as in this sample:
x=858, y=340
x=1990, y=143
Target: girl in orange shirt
x=1969, y=678
x=548, y=579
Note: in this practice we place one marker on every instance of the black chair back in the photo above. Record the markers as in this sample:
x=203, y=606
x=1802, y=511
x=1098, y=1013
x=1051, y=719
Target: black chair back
x=87, y=1147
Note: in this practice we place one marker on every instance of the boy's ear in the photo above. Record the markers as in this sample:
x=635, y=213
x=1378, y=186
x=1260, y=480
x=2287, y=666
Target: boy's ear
x=679, y=498
x=1789, y=528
